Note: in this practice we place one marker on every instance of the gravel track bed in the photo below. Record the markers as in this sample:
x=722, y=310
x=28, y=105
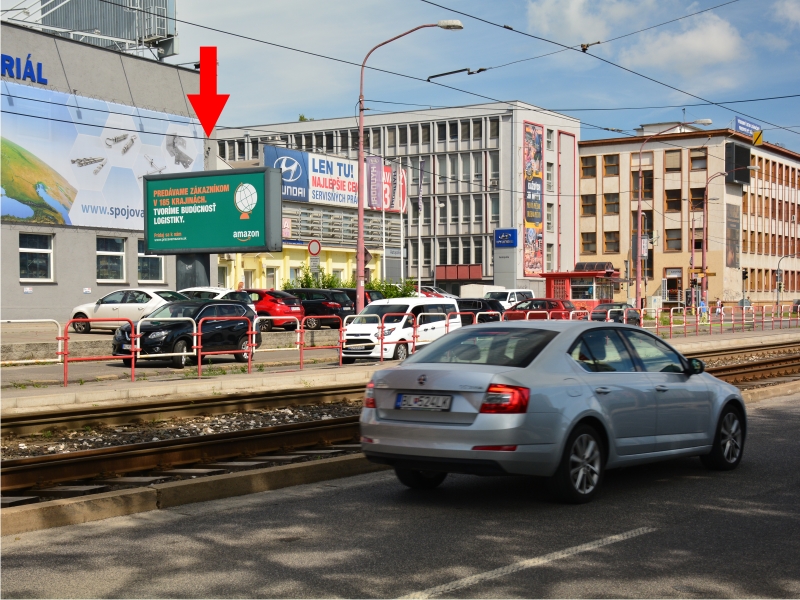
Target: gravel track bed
x=101, y=436
x=748, y=358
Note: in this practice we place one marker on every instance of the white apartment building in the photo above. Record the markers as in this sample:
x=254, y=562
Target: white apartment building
x=468, y=164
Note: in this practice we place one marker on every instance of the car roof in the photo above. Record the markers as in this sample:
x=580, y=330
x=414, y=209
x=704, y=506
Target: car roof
x=559, y=325
x=207, y=289
x=410, y=300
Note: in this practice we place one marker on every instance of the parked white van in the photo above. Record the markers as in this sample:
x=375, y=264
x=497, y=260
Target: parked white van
x=361, y=334
x=509, y=298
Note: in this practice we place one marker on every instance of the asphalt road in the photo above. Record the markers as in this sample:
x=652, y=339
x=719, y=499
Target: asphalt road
x=666, y=530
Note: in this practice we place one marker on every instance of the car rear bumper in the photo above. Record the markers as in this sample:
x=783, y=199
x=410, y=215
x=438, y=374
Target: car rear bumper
x=441, y=465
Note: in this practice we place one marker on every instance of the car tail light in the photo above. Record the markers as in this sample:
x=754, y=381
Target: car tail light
x=369, y=396
x=333, y=305
x=506, y=399
x=367, y=440
x=496, y=448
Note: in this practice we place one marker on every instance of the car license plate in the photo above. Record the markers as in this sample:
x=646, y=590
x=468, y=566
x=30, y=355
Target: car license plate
x=347, y=308
x=126, y=346
x=362, y=347
x=297, y=308
x=422, y=402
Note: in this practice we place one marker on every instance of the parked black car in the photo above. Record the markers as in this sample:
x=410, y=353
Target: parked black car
x=795, y=306
x=479, y=305
x=600, y=312
x=164, y=337
x=320, y=303
x=369, y=295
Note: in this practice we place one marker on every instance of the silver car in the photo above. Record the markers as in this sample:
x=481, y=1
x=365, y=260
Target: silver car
x=561, y=399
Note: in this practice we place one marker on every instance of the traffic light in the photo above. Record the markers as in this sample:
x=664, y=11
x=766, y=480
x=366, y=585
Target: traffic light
x=744, y=274
x=780, y=286
x=694, y=281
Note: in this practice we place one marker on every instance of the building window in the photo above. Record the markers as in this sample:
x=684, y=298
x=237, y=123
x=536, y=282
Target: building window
x=414, y=134
x=699, y=159
x=588, y=205
x=477, y=130
x=464, y=131
x=391, y=136
x=426, y=253
x=151, y=268
x=240, y=149
x=477, y=215
x=35, y=257
x=343, y=141
x=453, y=174
x=454, y=251
x=477, y=246
x=588, y=167
x=376, y=139
x=611, y=165
x=549, y=139
x=494, y=129
x=427, y=170
x=426, y=211
x=354, y=140
x=318, y=141
x=477, y=159
x=465, y=252
x=672, y=201
x=549, y=257
x=110, y=259
x=442, y=252
x=366, y=141
x=453, y=131
x=697, y=198
x=549, y=177
x=494, y=202
x=454, y=209
x=465, y=202
x=221, y=149
x=414, y=211
x=441, y=207
x=270, y=277
x=589, y=243
x=425, y=133
x=329, y=147
x=611, y=204
x=414, y=253
x=465, y=167
x=494, y=167
x=647, y=191
x=415, y=170
x=550, y=217
x=441, y=132
x=611, y=242
x=673, y=240
x=672, y=161
x=403, y=135
x=442, y=167
x=222, y=276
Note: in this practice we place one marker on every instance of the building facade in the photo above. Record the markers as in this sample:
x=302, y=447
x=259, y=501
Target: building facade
x=81, y=125
x=477, y=169
x=752, y=221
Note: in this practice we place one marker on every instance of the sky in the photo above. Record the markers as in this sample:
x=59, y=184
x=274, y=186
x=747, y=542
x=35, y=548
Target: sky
x=744, y=50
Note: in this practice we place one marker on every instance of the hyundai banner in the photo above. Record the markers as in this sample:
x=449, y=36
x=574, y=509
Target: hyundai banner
x=532, y=187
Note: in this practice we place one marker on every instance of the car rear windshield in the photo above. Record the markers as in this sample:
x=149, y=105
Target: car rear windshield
x=498, y=346
x=496, y=295
x=177, y=309
x=341, y=298
x=380, y=310
x=495, y=305
x=200, y=295
x=568, y=305
x=376, y=295
x=238, y=297
x=171, y=296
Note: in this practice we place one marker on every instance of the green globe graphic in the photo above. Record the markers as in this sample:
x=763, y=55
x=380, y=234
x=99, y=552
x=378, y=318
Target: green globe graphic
x=245, y=197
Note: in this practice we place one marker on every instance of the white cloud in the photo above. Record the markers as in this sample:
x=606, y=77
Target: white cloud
x=576, y=21
x=787, y=11
x=706, y=43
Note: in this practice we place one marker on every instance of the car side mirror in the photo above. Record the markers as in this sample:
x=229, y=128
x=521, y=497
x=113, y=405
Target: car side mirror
x=100, y=301
x=696, y=366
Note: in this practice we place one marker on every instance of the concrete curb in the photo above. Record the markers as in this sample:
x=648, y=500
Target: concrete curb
x=773, y=391
x=73, y=511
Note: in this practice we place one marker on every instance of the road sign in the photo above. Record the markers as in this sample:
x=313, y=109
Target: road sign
x=758, y=137
x=313, y=262
x=314, y=247
x=367, y=256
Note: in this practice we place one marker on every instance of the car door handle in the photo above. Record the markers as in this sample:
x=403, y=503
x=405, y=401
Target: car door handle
x=662, y=388
x=602, y=390
x=218, y=327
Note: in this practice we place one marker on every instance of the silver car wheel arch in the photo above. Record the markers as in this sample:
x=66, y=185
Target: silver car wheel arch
x=584, y=464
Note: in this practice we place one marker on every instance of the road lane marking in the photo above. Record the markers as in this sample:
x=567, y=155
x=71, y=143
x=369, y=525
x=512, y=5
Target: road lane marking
x=527, y=564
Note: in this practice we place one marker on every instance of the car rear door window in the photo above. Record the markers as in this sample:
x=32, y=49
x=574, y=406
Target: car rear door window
x=137, y=297
x=656, y=356
x=114, y=298
x=604, y=351
x=230, y=310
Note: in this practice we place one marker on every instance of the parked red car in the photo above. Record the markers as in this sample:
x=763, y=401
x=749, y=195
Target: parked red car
x=272, y=303
x=557, y=309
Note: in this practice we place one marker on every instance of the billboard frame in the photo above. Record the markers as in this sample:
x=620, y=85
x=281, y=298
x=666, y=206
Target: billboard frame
x=273, y=211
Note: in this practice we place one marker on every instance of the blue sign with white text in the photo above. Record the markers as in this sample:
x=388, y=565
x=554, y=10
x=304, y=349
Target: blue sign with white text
x=505, y=238
x=294, y=171
x=746, y=127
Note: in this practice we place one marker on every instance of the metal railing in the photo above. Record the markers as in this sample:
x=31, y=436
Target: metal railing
x=58, y=358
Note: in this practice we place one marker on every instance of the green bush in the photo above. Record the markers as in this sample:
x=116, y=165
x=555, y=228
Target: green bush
x=307, y=279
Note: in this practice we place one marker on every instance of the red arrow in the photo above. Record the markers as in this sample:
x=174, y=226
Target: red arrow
x=208, y=104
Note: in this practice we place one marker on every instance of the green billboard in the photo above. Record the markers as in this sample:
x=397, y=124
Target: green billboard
x=214, y=211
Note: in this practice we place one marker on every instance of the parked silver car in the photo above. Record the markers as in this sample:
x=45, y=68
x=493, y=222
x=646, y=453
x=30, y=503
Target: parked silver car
x=561, y=399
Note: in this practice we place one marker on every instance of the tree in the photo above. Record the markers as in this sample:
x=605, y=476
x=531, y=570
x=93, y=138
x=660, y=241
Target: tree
x=304, y=118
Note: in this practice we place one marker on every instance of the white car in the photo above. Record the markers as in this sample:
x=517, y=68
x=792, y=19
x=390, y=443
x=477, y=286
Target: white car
x=361, y=334
x=218, y=293
x=129, y=303
x=509, y=298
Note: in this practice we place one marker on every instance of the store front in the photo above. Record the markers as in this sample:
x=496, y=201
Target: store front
x=587, y=286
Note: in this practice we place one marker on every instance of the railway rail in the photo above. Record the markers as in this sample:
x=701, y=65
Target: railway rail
x=23, y=473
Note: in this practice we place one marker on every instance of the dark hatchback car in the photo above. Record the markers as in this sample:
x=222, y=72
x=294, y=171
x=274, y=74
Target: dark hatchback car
x=618, y=309
x=320, y=303
x=556, y=309
x=369, y=295
x=479, y=305
x=165, y=337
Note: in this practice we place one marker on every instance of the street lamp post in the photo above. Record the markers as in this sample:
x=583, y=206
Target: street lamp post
x=447, y=24
x=704, y=283
x=780, y=274
x=638, y=241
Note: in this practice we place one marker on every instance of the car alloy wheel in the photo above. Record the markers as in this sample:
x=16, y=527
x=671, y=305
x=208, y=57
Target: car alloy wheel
x=242, y=356
x=731, y=437
x=585, y=464
x=728, y=447
x=265, y=325
x=312, y=323
x=401, y=352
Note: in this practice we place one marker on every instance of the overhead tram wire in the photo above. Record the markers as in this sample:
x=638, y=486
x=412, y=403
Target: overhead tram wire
x=619, y=37
x=600, y=58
